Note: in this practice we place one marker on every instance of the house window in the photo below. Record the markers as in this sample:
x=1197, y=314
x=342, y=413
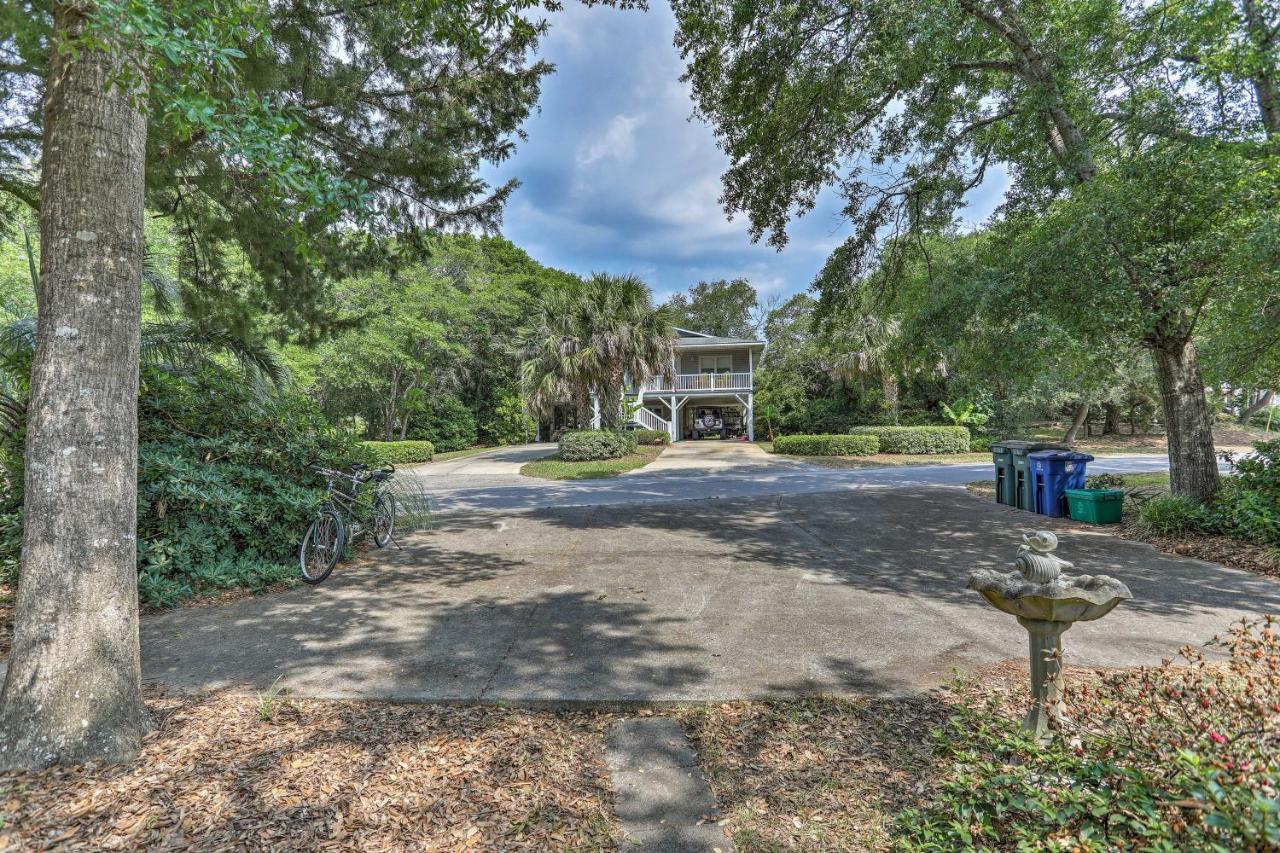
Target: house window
x=715, y=364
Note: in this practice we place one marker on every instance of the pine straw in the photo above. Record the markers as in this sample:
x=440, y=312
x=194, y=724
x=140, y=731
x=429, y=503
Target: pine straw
x=831, y=773
x=1226, y=550
x=224, y=771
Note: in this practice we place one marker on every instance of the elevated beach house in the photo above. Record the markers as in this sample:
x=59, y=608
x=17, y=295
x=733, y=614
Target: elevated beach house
x=712, y=394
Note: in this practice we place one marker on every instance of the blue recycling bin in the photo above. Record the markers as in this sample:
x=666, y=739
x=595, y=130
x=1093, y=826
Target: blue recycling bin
x=1052, y=473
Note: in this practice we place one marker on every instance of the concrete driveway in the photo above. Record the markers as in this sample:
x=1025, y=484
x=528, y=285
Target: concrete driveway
x=858, y=591
x=715, y=455
x=498, y=467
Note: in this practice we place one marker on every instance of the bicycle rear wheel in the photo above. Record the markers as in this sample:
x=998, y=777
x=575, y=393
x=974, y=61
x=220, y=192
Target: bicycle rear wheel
x=384, y=519
x=322, y=546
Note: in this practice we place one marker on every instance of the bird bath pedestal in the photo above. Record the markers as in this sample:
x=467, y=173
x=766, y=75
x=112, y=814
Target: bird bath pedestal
x=1046, y=603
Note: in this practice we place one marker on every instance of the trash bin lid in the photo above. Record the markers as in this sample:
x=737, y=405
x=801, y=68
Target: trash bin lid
x=1019, y=446
x=1061, y=455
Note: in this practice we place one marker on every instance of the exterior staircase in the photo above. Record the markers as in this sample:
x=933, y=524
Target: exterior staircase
x=649, y=420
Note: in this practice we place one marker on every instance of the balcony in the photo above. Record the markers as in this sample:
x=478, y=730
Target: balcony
x=700, y=382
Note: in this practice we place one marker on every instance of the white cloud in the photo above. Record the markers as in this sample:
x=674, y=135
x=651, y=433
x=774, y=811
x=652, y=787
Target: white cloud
x=617, y=143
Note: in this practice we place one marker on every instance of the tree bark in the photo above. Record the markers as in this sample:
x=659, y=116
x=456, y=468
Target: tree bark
x=73, y=688
x=1111, y=420
x=889, y=387
x=1188, y=423
x=1259, y=403
x=1265, y=88
x=1082, y=415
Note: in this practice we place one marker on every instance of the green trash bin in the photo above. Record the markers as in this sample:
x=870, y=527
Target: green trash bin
x=1096, y=506
x=1023, y=484
x=1002, y=458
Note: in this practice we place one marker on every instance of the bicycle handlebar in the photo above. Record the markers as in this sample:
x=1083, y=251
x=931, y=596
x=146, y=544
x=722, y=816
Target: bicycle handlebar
x=362, y=472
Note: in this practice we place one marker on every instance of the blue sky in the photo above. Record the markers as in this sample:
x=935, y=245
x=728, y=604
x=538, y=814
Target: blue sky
x=616, y=177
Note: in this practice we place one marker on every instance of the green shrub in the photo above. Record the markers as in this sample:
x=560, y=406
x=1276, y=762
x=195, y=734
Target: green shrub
x=443, y=420
x=1249, y=504
x=225, y=483
x=826, y=445
x=1174, y=515
x=918, y=439
x=1175, y=757
x=980, y=443
x=511, y=424
x=591, y=444
x=400, y=452
x=652, y=436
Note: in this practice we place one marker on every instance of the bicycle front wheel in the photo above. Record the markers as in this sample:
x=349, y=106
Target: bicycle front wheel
x=322, y=546
x=384, y=519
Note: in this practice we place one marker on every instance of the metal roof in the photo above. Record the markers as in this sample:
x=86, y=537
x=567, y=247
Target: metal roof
x=712, y=341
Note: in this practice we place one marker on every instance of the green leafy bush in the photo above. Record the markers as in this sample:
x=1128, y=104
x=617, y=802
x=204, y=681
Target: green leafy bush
x=443, y=420
x=652, y=436
x=979, y=443
x=1249, y=504
x=225, y=482
x=511, y=424
x=918, y=439
x=400, y=452
x=1174, y=515
x=1177, y=757
x=826, y=445
x=591, y=444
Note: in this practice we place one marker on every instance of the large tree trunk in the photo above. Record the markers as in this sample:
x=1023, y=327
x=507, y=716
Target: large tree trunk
x=73, y=689
x=1265, y=88
x=1259, y=402
x=1188, y=423
x=1111, y=419
x=1082, y=415
x=889, y=387
x=611, y=406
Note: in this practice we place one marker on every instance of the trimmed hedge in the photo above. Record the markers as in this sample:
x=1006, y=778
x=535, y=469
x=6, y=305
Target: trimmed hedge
x=918, y=439
x=826, y=445
x=652, y=436
x=401, y=452
x=587, y=445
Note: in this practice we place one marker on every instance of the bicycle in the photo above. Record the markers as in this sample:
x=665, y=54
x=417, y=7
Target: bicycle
x=343, y=514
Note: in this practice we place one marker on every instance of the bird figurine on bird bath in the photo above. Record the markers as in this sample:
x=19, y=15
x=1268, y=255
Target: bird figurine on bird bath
x=1046, y=602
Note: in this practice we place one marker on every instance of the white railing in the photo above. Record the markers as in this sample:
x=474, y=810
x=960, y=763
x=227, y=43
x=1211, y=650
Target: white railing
x=649, y=420
x=703, y=382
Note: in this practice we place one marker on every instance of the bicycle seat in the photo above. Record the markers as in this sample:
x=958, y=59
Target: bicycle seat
x=379, y=475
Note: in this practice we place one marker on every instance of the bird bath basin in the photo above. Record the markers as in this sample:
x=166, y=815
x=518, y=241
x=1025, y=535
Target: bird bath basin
x=1046, y=602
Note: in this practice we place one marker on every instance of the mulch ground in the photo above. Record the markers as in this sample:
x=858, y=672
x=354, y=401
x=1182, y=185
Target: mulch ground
x=1226, y=550
x=831, y=773
x=222, y=771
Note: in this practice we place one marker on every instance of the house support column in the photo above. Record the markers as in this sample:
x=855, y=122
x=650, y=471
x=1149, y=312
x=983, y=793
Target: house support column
x=751, y=416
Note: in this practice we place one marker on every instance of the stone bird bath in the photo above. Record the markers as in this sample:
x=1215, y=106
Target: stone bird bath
x=1046, y=603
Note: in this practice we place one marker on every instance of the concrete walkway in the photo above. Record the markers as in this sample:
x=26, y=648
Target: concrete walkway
x=860, y=590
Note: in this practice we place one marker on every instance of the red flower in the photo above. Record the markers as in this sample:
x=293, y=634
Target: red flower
x=1217, y=738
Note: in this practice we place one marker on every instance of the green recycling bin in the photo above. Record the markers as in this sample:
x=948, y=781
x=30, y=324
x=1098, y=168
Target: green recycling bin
x=1002, y=458
x=1024, y=485
x=1096, y=506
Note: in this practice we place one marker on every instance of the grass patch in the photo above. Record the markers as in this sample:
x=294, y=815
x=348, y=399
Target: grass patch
x=1139, y=480
x=463, y=453
x=554, y=468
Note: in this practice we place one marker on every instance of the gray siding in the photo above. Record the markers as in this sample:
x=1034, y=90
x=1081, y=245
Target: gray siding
x=689, y=359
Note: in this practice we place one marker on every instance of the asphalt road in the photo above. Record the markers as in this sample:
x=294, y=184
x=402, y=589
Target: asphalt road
x=496, y=485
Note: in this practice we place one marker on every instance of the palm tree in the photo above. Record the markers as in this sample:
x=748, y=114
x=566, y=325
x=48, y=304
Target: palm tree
x=862, y=349
x=586, y=341
x=174, y=343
